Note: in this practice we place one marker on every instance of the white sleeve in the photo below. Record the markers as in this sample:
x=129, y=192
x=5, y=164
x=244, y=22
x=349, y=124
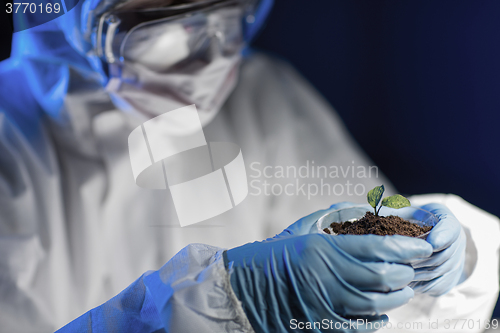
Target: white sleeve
x=193, y=293
x=468, y=306
x=190, y=293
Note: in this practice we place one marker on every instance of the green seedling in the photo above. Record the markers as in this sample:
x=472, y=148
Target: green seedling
x=394, y=201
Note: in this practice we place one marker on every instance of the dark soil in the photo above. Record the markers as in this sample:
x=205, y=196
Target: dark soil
x=378, y=225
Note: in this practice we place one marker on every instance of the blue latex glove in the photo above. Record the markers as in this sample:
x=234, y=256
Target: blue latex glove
x=312, y=277
x=441, y=272
x=434, y=276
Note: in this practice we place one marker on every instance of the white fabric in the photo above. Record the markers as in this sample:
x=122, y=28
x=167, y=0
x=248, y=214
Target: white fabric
x=75, y=229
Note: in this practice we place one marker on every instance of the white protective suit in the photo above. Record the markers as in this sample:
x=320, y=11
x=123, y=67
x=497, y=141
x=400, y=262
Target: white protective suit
x=75, y=229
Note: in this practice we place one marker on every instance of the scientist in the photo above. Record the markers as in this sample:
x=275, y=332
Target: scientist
x=78, y=236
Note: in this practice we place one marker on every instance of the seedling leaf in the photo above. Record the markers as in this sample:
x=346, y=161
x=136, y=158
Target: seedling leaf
x=375, y=195
x=396, y=201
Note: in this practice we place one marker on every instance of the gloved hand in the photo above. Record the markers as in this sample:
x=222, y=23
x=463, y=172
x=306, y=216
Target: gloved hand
x=439, y=273
x=316, y=277
x=434, y=276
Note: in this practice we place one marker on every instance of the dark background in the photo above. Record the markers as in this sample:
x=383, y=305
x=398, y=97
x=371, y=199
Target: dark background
x=416, y=82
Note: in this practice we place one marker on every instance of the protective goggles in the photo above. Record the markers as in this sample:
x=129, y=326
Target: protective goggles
x=214, y=22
